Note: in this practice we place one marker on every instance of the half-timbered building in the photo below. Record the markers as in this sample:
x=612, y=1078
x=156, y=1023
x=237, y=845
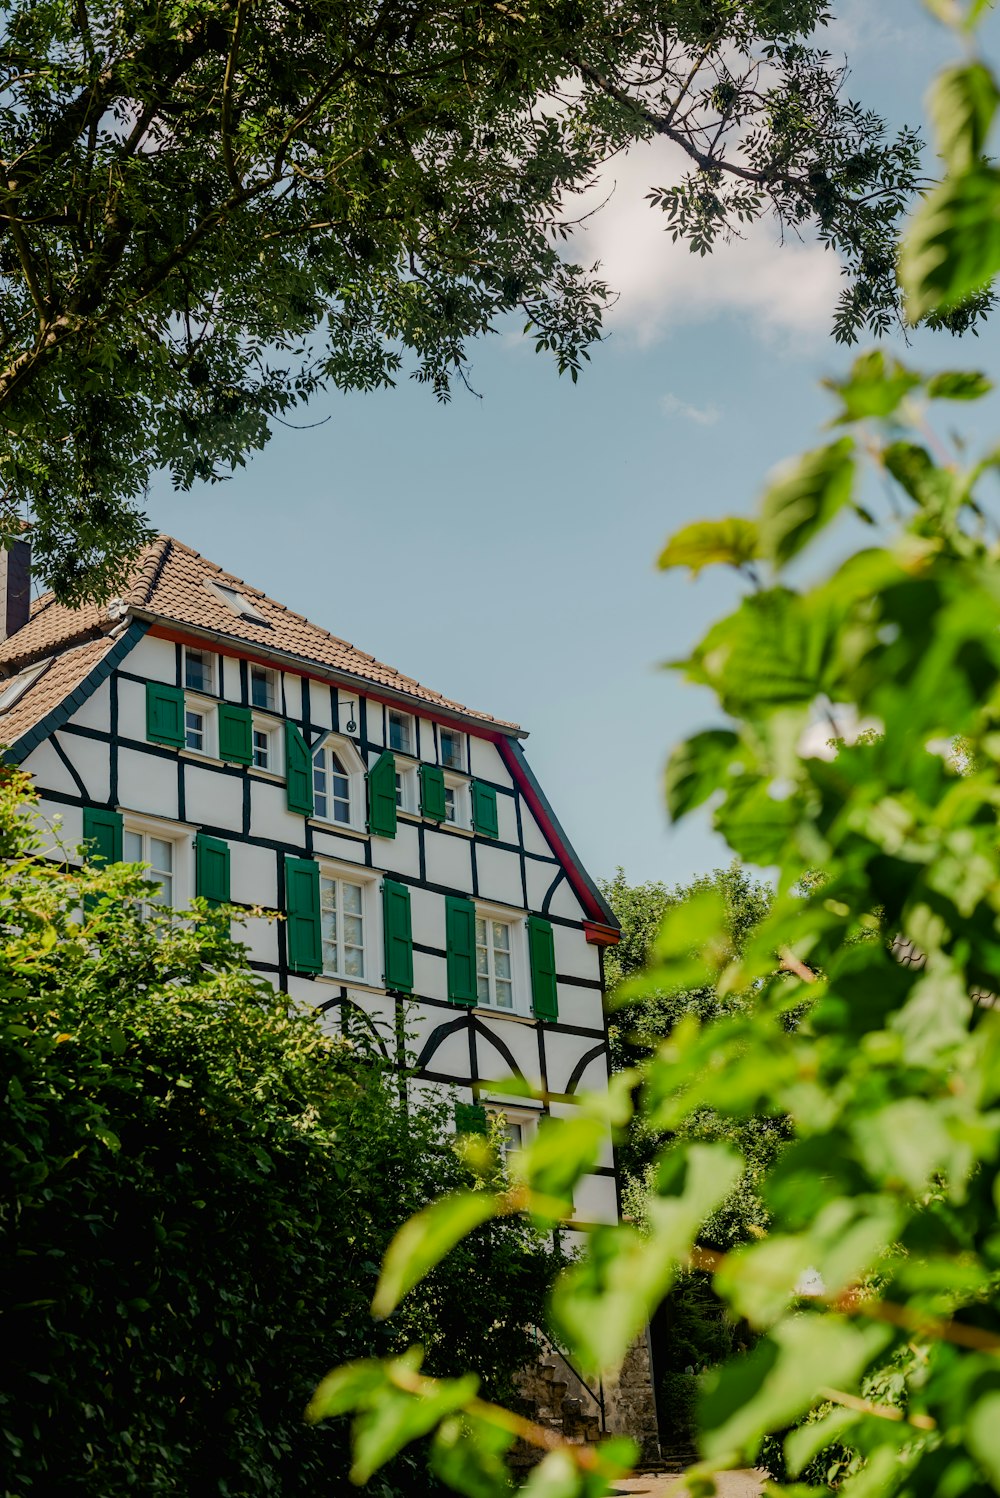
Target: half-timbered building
x=426, y=887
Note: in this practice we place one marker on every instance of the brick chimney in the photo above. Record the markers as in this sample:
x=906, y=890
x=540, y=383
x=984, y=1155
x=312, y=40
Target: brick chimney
x=15, y=588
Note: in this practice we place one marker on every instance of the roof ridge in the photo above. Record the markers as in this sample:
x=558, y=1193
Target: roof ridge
x=149, y=570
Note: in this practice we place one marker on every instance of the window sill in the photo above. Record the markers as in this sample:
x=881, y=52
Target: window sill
x=508, y=1014
x=271, y=776
x=337, y=829
x=451, y=827
x=354, y=983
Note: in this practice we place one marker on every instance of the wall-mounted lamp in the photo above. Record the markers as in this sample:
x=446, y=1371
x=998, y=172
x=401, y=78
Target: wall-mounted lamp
x=352, y=727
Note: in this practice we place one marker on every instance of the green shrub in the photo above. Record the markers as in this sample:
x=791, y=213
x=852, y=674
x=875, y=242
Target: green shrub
x=198, y=1187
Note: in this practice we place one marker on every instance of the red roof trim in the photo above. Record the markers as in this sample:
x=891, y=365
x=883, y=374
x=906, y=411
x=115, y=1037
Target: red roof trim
x=554, y=834
x=600, y=935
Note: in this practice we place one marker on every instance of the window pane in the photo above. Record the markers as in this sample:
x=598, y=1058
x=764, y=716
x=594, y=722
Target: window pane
x=504, y=999
x=261, y=749
x=161, y=855
x=353, y=963
x=501, y=936
x=352, y=898
x=198, y=670
x=194, y=731
x=399, y=732
x=327, y=894
x=501, y=964
x=132, y=846
x=319, y=786
x=449, y=804
x=261, y=686
x=483, y=990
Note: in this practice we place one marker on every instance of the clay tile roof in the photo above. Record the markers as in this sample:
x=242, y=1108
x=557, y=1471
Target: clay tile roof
x=65, y=673
x=171, y=582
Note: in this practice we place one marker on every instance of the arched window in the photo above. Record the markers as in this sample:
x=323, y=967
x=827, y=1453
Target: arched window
x=337, y=784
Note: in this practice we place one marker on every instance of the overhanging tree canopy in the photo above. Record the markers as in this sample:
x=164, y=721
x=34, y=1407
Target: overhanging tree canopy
x=210, y=210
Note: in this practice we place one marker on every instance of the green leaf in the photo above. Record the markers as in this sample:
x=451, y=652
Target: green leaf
x=914, y=470
x=982, y=1432
x=875, y=387
x=733, y=541
x=958, y=385
x=423, y=1242
x=346, y=1389
x=469, y=1454
x=962, y=103
x=805, y=498
x=808, y=1440
x=562, y=1151
x=697, y=767
x=952, y=245
x=396, y=1417
x=783, y=1378
x=601, y=1303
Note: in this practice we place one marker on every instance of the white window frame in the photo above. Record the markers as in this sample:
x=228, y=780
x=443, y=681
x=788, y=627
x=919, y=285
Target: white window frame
x=407, y=789
x=373, y=960
x=182, y=838
x=526, y=1119
x=195, y=703
x=212, y=690
x=337, y=744
x=463, y=803
x=262, y=723
x=463, y=740
x=273, y=685
x=519, y=974
x=411, y=731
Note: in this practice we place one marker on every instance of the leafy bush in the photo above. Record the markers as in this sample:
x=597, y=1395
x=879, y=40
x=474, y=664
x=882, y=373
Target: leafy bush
x=197, y=1189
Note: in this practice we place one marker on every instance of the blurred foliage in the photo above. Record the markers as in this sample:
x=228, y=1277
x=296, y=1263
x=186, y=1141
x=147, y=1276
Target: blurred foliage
x=197, y=1188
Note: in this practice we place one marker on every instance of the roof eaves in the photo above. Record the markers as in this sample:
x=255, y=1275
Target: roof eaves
x=56, y=716
x=288, y=659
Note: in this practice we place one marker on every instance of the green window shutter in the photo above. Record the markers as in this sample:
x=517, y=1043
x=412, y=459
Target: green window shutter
x=305, y=941
x=382, y=796
x=484, y=810
x=298, y=772
x=164, y=715
x=103, y=831
x=460, y=930
x=235, y=734
x=398, y=934
x=470, y=1118
x=432, y=792
x=211, y=869
x=542, y=955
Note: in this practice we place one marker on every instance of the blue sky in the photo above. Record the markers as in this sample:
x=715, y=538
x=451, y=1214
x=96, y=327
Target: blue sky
x=501, y=549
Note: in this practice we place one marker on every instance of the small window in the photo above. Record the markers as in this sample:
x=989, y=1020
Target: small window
x=199, y=670
x=342, y=912
x=161, y=855
x=456, y=803
x=14, y=688
x=265, y=751
x=406, y=790
x=401, y=736
x=452, y=749
x=494, y=974
x=263, y=688
x=196, y=730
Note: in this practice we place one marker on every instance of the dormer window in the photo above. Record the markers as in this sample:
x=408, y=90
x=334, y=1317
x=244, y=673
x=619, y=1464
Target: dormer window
x=401, y=734
x=338, y=784
x=13, y=690
x=241, y=606
x=199, y=670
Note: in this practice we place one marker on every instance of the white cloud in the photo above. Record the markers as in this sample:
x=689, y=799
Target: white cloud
x=703, y=416
x=783, y=291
